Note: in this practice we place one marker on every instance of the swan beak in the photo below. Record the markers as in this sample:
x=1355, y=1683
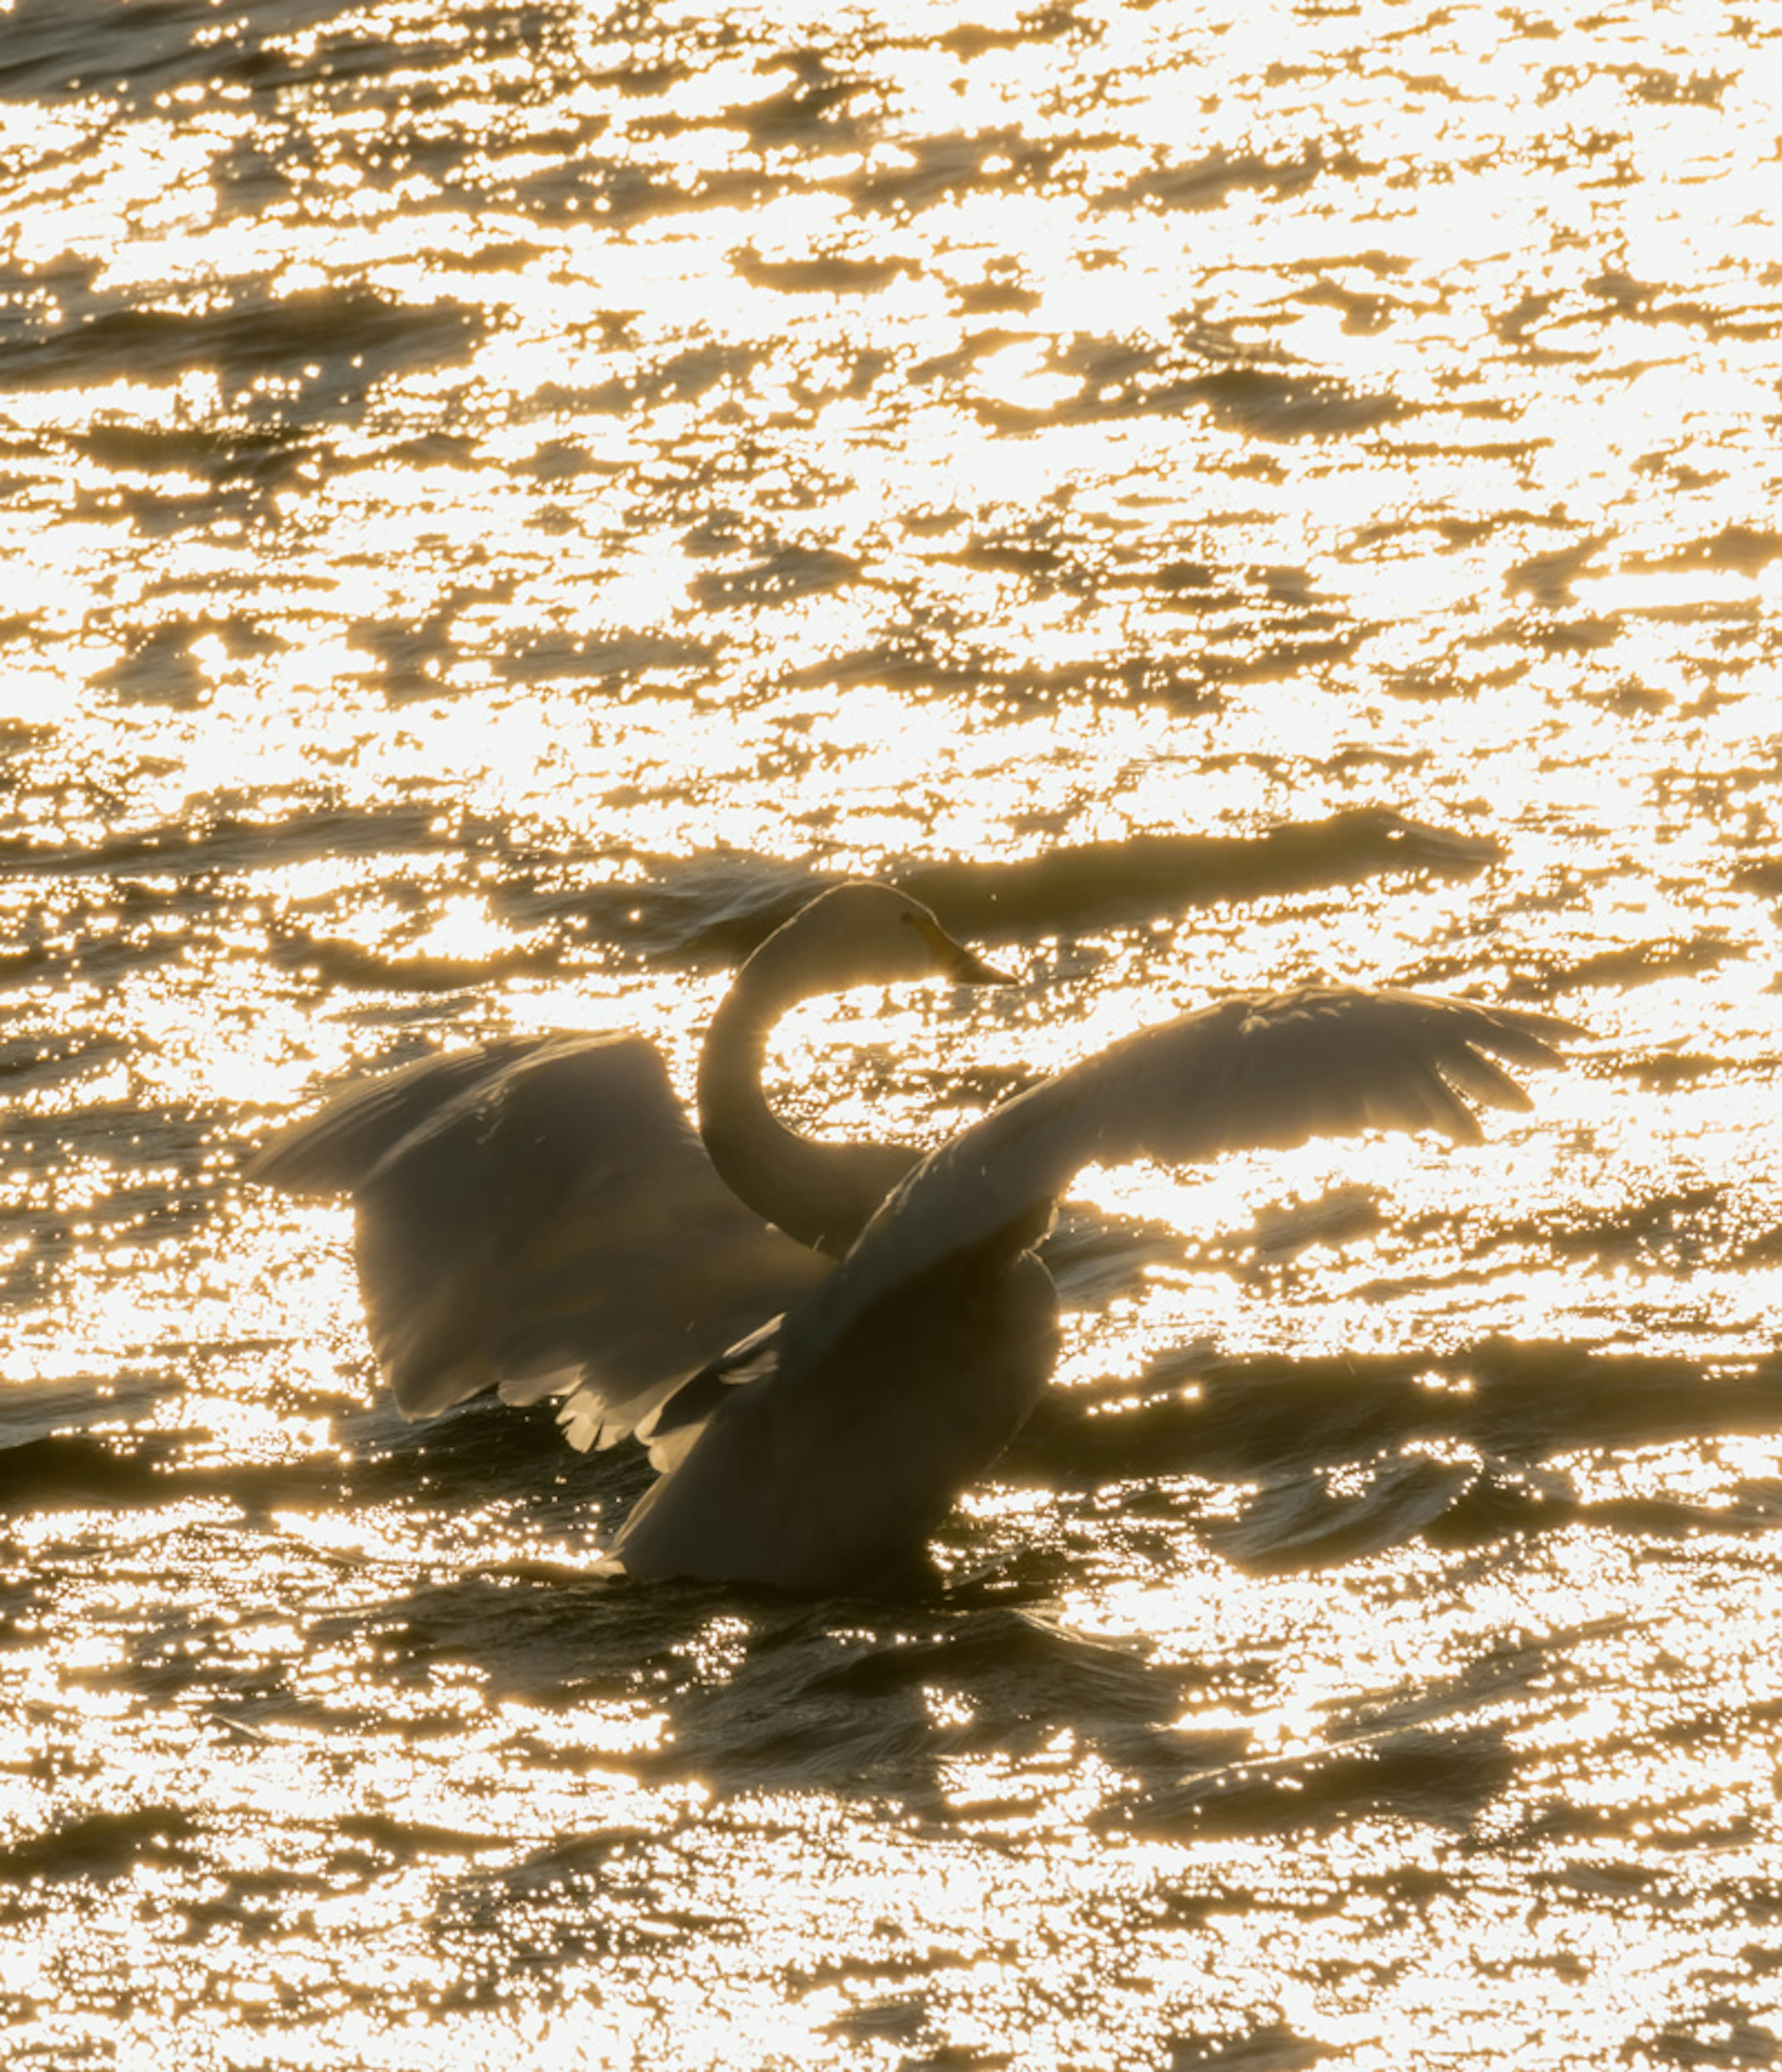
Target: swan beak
x=963, y=966
x=969, y=968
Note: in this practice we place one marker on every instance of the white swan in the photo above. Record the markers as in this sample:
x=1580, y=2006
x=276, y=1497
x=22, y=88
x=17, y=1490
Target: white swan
x=540, y=1214
x=871, y=1403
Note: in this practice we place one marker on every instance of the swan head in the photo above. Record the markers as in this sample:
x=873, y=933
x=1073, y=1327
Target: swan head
x=862, y=933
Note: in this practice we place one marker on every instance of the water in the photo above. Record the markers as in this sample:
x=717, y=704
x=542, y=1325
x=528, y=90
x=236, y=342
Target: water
x=497, y=501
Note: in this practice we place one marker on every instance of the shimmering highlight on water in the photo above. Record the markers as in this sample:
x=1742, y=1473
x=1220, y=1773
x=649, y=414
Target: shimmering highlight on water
x=495, y=501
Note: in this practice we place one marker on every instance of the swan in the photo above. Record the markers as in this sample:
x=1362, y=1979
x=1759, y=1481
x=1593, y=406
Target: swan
x=821, y=1452
x=537, y=1214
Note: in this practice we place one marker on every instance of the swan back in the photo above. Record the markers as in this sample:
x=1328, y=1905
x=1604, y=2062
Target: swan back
x=833, y=1475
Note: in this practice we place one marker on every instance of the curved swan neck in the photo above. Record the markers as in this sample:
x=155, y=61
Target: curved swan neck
x=822, y=1194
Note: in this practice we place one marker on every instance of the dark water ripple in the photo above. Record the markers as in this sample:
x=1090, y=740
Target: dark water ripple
x=503, y=505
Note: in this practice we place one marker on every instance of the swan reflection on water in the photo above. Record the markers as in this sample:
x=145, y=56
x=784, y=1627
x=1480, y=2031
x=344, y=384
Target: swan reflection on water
x=540, y=1215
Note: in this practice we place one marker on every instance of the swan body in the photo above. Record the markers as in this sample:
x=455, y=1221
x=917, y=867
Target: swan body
x=821, y=1345
x=538, y=1215
x=820, y=1453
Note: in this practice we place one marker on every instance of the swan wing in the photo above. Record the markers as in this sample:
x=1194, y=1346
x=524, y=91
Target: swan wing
x=539, y=1215
x=1259, y=1071
x=671, y=1426
x=332, y=1151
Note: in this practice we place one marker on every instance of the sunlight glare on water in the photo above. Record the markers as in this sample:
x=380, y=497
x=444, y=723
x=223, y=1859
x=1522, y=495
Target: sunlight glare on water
x=499, y=506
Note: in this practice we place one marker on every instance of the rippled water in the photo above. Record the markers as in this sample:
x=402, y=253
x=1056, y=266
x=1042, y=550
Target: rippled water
x=500, y=500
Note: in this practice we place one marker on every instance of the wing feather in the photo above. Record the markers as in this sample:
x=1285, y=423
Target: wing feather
x=541, y=1216
x=1261, y=1072
x=332, y=1151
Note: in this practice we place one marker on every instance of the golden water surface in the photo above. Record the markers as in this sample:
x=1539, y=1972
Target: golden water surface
x=496, y=497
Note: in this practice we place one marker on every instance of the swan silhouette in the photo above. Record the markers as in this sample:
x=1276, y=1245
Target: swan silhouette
x=540, y=1214
x=867, y=1409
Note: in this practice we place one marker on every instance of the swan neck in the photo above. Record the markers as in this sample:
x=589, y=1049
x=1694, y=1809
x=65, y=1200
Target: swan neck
x=821, y=1195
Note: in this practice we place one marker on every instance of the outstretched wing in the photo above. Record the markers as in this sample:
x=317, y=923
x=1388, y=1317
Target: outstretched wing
x=540, y=1215
x=1261, y=1071
x=333, y=1151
